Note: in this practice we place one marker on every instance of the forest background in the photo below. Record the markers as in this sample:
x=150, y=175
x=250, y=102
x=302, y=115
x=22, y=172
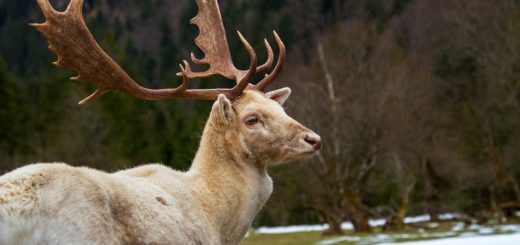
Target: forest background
x=417, y=101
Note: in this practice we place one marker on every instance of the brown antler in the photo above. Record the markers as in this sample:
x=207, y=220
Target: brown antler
x=213, y=42
x=77, y=50
x=260, y=86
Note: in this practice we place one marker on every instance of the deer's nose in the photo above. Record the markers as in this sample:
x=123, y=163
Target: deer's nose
x=314, y=140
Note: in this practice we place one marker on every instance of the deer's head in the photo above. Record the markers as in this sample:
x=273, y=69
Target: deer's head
x=256, y=128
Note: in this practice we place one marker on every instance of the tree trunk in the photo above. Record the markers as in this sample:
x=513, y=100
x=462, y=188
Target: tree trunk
x=500, y=176
x=405, y=204
x=357, y=214
x=496, y=212
x=333, y=217
x=516, y=188
x=396, y=221
x=431, y=190
x=334, y=227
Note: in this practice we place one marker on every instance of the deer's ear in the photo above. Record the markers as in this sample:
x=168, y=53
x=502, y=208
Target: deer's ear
x=280, y=95
x=223, y=112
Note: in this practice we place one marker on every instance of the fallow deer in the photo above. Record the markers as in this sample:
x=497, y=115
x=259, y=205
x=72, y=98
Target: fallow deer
x=214, y=202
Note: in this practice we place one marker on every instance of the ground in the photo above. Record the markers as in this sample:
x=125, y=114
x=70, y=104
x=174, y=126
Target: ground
x=424, y=233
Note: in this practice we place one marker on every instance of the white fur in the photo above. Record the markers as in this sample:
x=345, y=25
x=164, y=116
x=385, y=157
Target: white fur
x=152, y=204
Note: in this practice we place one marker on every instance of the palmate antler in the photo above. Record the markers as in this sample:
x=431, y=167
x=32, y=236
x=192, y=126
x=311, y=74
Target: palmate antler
x=77, y=50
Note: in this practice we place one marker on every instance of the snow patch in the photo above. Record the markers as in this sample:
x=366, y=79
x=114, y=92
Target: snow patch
x=486, y=231
x=449, y=216
x=291, y=229
x=469, y=234
x=377, y=222
x=509, y=228
x=433, y=225
x=347, y=226
x=474, y=226
x=417, y=219
x=458, y=226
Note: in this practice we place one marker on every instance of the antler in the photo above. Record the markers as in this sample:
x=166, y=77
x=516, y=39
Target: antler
x=77, y=50
x=213, y=42
x=260, y=86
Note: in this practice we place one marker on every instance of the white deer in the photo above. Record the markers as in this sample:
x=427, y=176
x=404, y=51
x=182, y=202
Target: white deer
x=213, y=203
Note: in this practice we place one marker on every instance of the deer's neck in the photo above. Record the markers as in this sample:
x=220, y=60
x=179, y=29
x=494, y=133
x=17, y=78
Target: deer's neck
x=231, y=191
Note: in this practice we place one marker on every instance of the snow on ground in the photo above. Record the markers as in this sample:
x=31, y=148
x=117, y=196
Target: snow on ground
x=508, y=239
x=459, y=234
x=346, y=225
x=473, y=234
x=290, y=229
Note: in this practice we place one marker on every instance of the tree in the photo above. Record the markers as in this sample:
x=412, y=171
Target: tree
x=10, y=114
x=482, y=87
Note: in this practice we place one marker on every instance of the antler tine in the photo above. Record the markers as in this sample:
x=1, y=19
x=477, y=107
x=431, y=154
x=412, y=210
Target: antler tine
x=270, y=58
x=191, y=74
x=197, y=60
x=93, y=96
x=75, y=7
x=243, y=83
x=260, y=86
x=185, y=80
x=47, y=8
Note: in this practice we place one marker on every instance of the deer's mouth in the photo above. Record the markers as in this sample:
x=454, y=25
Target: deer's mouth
x=310, y=153
x=301, y=154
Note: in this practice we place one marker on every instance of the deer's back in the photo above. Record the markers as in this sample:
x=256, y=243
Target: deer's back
x=60, y=204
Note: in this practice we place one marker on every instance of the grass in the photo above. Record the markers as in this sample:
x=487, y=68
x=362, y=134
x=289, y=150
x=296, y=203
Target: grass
x=300, y=238
x=431, y=231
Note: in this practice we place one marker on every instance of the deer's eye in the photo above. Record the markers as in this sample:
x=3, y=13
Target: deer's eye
x=252, y=120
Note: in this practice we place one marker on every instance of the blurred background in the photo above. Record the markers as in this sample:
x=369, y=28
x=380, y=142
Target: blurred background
x=417, y=102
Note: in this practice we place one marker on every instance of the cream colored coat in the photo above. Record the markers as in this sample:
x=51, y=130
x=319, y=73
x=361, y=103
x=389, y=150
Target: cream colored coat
x=213, y=203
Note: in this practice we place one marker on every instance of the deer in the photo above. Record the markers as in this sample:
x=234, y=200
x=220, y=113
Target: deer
x=214, y=202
